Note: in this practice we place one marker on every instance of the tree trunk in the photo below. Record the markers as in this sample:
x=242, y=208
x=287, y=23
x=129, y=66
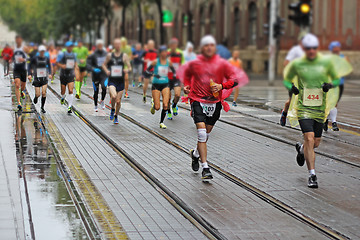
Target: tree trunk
x=140, y=23
x=108, y=30
x=162, y=30
x=189, y=27
x=123, y=21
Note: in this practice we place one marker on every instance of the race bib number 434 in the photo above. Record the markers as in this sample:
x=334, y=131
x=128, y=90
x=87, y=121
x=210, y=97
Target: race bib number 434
x=208, y=108
x=313, y=97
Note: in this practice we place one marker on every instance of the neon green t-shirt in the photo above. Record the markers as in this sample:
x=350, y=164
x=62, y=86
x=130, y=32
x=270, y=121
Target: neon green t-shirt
x=311, y=74
x=81, y=54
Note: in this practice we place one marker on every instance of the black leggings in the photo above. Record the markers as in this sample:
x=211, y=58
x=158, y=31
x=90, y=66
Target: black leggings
x=96, y=85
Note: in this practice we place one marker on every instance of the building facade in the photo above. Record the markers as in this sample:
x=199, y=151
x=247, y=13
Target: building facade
x=239, y=23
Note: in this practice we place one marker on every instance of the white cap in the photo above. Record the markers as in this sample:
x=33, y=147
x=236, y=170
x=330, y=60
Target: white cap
x=208, y=39
x=310, y=41
x=42, y=48
x=99, y=41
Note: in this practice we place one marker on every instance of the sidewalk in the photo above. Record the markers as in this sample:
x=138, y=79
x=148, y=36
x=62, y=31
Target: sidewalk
x=11, y=216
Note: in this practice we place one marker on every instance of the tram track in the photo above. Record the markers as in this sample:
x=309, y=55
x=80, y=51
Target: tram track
x=325, y=230
x=91, y=230
x=273, y=137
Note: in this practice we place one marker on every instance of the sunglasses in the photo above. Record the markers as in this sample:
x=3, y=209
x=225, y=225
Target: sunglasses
x=309, y=48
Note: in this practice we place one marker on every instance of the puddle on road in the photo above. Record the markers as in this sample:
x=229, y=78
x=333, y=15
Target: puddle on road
x=54, y=215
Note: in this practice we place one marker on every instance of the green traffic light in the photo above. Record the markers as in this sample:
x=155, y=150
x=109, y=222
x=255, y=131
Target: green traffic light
x=167, y=16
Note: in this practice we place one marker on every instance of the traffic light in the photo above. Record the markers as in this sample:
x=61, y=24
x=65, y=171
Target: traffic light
x=278, y=27
x=302, y=12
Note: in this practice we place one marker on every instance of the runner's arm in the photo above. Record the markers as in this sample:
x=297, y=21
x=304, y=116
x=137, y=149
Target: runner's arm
x=126, y=60
x=104, y=66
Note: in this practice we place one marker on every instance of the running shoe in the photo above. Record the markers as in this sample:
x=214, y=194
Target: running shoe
x=19, y=107
x=126, y=95
x=312, y=182
x=52, y=80
x=77, y=96
x=234, y=104
x=326, y=125
x=283, y=118
x=152, y=109
x=62, y=101
x=102, y=104
x=133, y=83
x=69, y=110
x=175, y=110
x=144, y=98
x=43, y=110
x=162, y=126
x=112, y=114
x=22, y=94
x=206, y=174
x=116, y=121
x=300, y=158
x=96, y=109
x=335, y=127
x=140, y=85
x=195, y=161
x=35, y=100
x=169, y=115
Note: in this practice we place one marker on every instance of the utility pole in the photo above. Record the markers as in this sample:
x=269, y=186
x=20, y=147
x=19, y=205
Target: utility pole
x=272, y=41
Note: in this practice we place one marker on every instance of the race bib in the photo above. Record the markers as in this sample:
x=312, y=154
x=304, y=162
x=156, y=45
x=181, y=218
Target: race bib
x=176, y=66
x=208, y=108
x=41, y=72
x=313, y=97
x=163, y=71
x=70, y=63
x=116, y=71
x=17, y=59
x=100, y=61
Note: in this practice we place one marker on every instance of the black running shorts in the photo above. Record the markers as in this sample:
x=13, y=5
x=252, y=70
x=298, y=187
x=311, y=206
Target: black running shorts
x=65, y=80
x=82, y=69
x=197, y=113
x=159, y=87
x=20, y=74
x=39, y=82
x=311, y=125
x=174, y=83
x=119, y=85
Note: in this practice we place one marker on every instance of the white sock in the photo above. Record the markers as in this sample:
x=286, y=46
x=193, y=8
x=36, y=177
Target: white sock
x=312, y=172
x=196, y=153
x=70, y=99
x=333, y=115
x=302, y=149
x=204, y=165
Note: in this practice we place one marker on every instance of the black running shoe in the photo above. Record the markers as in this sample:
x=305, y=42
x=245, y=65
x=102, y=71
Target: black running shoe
x=326, y=125
x=300, y=158
x=43, y=110
x=206, y=174
x=312, y=183
x=69, y=110
x=335, y=127
x=195, y=161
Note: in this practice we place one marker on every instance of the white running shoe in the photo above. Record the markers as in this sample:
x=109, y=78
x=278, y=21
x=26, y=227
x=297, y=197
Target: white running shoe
x=102, y=104
x=96, y=109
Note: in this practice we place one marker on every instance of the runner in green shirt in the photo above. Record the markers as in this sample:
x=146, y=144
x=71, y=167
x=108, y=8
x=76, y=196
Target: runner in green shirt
x=82, y=53
x=309, y=79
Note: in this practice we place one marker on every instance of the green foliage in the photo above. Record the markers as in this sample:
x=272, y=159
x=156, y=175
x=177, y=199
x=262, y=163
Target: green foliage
x=39, y=19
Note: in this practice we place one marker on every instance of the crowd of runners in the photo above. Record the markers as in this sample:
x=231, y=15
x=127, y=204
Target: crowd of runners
x=315, y=83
